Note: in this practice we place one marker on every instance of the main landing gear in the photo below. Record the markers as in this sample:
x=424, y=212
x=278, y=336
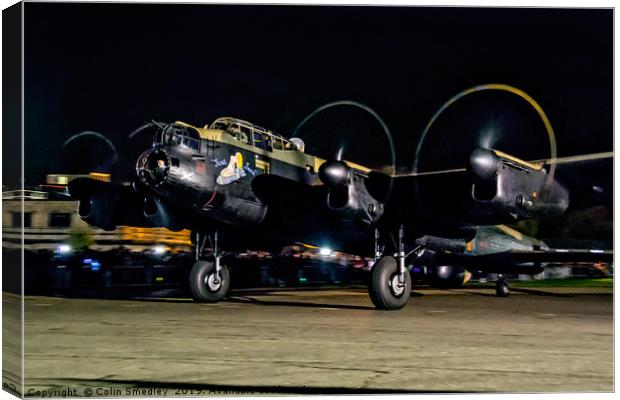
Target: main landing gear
x=390, y=281
x=209, y=281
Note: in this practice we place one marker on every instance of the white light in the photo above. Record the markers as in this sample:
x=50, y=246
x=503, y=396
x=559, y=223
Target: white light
x=324, y=251
x=159, y=250
x=597, y=251
x=64, y=248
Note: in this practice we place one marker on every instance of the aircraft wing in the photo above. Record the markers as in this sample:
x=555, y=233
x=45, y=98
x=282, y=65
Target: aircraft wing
x=81, y=188
x=588, y=178
x=274, y=189
x=106, y=205
x=503, y=190
x=522, y=261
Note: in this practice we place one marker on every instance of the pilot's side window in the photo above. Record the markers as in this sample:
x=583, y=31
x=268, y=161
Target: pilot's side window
x=244, y=135
x=234, y=129
x=193, y=141
x=268, y=142
x=219, y=125
x=258, y=140
x=262, y=141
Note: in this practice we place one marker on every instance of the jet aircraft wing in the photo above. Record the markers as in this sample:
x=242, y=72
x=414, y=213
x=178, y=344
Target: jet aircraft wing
x=522, y=261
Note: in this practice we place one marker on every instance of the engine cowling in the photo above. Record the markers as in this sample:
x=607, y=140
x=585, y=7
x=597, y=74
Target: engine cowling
x=106, y=205
x=160, y=215
x=98, y=209
x=347, y=195
x=506, y=186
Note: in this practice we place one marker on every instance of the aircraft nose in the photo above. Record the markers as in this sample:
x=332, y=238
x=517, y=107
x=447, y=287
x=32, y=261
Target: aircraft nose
x=152, y=166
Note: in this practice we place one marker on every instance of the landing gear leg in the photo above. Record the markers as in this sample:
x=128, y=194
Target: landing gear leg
x=209, y=281
x=501, y=287
x=390, y=282
x=378, y=247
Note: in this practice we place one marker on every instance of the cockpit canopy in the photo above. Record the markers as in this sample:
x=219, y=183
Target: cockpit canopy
x=177, y=135
x=255, y=135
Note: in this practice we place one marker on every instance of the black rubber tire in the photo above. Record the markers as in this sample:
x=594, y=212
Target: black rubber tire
x=379, y=286
x=502, y=289
x=198, y=285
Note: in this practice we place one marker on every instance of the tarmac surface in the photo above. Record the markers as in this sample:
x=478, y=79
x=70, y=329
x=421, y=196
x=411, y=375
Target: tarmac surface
x=320, y=341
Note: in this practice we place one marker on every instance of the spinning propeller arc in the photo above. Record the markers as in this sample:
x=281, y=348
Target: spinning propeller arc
x=335, y=171
x=481, y=123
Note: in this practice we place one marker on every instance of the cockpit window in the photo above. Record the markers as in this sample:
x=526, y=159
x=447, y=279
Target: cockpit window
x=262, y=141
x=241, y=133
x=219, y=125
x=277, y=143
x=182, y=137
x=255, y=135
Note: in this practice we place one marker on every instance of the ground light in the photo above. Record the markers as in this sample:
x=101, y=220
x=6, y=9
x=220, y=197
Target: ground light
x=324, y=251
x=63, y=249
x=159, y=250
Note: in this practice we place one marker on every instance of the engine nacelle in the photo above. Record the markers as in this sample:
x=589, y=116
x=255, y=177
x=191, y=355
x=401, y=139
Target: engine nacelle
x=514, y=188
x=98, y=209
x=353, y=202
x=347, y=195
x=106, y=205
x=160, y=215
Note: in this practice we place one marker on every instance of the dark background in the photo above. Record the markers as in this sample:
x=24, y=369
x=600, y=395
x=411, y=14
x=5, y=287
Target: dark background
x=112, y=67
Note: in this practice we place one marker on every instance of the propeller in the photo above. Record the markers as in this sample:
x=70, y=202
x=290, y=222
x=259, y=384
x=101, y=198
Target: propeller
x=153, y=166
x=467, y=131
x=335, y=173
x=372, y=150
x=135, y=144
x=91, y=151
x=86, y=152
x=483, y=163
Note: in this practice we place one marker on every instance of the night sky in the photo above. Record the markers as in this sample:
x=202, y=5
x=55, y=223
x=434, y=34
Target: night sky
x=112, y=67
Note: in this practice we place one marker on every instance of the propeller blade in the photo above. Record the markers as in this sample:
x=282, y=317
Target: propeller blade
x=86, y=152
x=364, y=134
x=339, y=153
x=490, y=116
x=576, y=158
x=488, y=119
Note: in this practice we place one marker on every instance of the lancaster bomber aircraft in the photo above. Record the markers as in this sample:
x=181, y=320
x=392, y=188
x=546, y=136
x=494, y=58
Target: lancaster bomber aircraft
x=237, y=185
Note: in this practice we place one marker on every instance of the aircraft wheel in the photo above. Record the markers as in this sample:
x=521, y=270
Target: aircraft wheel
x=384, y=288
x=502, y=289
x=203, y=285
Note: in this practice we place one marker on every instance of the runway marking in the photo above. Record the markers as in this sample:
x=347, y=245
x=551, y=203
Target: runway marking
x=436, y=311
x=133, y=305
x=41, y=304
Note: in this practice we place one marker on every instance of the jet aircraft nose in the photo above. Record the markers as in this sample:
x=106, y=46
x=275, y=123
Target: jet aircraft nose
x=152, y=166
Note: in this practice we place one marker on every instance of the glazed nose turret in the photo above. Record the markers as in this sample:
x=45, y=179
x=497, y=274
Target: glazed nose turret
x=152, y=167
